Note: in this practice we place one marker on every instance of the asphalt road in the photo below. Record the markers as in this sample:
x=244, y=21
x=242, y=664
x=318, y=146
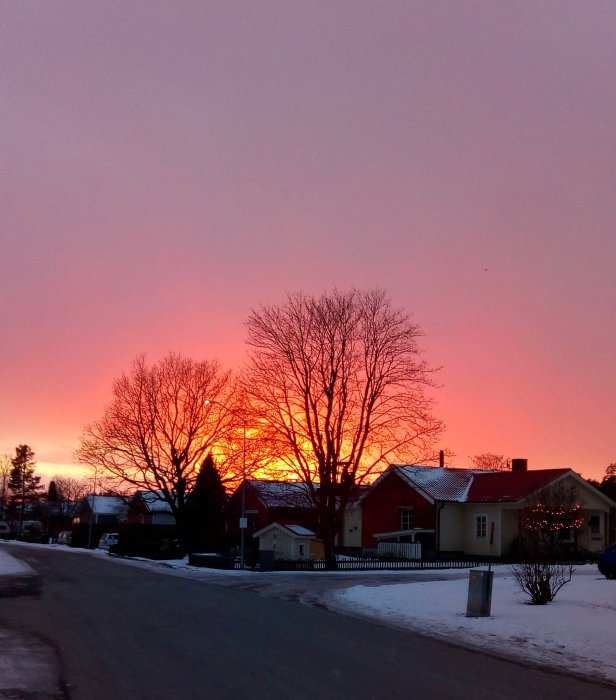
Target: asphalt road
x=124, y=633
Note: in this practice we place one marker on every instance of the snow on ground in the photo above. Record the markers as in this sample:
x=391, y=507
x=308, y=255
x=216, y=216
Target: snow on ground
x=576, y=632
x=9, y=566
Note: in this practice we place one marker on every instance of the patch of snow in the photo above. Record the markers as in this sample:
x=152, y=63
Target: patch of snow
x=9, y=566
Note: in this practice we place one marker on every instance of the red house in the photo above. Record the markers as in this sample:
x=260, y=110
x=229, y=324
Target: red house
x=266, y=502
x=467, y=511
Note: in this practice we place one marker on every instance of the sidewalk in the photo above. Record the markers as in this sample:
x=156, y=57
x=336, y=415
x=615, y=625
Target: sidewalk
x=28, y=666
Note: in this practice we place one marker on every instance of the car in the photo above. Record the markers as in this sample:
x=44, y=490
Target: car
x=32, y=531
x=65, y=537
x=109, y=539
x=607, y=562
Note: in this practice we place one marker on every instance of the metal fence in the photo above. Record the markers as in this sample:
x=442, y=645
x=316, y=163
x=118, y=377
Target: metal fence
x=372, y=564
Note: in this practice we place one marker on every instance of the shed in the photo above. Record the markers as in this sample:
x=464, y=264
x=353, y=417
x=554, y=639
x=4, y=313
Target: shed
x=289, y=541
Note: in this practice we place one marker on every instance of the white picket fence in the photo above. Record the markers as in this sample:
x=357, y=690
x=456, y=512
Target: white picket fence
x=403, y=550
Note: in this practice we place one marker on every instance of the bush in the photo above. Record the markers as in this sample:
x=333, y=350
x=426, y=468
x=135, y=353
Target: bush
x=542, y=581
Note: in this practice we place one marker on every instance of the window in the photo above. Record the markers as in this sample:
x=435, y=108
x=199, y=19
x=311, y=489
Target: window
x=594, y=525
x=301, y=550
x=407, y=518
x=481, y=525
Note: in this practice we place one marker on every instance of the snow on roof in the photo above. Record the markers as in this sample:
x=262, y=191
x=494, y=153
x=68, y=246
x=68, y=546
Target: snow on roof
x=294, y=529
x=439, y=483
x=282, y=494
x=113, y=505
x=477, y=485
x=300, y=530
x=154, y=501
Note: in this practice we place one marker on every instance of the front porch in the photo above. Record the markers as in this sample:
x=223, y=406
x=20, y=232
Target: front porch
x=404, y=544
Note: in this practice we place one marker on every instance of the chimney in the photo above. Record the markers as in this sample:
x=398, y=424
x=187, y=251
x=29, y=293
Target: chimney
x=519, y=465
x=441, y=459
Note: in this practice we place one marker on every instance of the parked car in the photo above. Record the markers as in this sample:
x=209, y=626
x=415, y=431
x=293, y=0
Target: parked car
x=65, y=537
x=32, y=531
x=108, y=540
x=5, y=530
x=607, y=562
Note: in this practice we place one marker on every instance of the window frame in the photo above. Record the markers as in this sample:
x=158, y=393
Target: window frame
x=596, y=531
x=481, y=526
x=407, y=517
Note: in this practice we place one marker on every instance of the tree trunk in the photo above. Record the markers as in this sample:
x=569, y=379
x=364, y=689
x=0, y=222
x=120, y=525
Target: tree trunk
x=328, y=534
x=181, y=527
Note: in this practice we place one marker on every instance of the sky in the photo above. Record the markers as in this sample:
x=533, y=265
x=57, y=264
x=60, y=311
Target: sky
x=167, y=167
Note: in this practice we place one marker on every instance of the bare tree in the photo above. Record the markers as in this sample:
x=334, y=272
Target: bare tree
x=338, y=388
x=69, y=492
x=162, y=422
x=489, y=460
x=70, y=489
x=548, y=525
x=608, y=484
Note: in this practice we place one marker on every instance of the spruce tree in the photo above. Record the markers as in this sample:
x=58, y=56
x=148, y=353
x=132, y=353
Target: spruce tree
x=205, y=510
x=52, y=492
x=24, y=486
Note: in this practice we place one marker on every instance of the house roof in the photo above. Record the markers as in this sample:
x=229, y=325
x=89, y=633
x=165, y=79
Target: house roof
x=282, y=494
x=509, y=487
x=438, y=483
x=476, y=485
x=107, y=505
x=154, y=502
x=293, y=529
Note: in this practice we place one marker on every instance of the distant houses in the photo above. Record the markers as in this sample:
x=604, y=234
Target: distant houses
x=266, y=502
x=149, y=508
x=409, y=511
x=435, y=512
x=97, y=515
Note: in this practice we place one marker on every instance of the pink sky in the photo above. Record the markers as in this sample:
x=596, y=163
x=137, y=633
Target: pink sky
x=166, y=166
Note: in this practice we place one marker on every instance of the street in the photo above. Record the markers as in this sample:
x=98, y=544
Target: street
x=124, y=633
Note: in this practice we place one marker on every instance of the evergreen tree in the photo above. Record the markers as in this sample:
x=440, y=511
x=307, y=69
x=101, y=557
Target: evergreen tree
x=205, y=510
x=25, y=487
x=52, y=492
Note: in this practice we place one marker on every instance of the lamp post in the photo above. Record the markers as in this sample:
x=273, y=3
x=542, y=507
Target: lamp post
x=243, y=520
x=92, y=510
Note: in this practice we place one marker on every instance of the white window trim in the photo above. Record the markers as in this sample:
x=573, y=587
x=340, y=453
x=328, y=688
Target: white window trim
x=484, y=527
x=403, y=511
